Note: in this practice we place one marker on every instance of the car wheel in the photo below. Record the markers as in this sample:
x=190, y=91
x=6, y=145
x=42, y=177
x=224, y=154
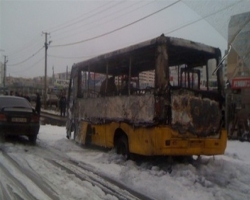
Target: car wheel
x=32, y=139
x=122, y=147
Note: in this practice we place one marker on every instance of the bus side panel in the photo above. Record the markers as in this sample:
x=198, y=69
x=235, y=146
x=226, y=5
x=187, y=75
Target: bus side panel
x=160, y=140
x=138, y=108
x=98, y=135
x=101, y=134
x=139, y=141
x=170, y=142
x=165, y=141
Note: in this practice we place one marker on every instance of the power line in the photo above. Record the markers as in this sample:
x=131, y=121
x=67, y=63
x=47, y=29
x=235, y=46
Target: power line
x=66, y=26
x=30, y=67
x=25, y=46
x=107, y=33
x=202, y=18
x=27, y=58
x=106, y=17
x=65, y=57
x=59, y=26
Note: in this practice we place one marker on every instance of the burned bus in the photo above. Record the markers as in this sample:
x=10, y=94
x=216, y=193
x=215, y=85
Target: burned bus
x=146, y=99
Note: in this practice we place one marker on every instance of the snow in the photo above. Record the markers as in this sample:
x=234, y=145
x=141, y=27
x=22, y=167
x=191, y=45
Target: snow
x=224, y=177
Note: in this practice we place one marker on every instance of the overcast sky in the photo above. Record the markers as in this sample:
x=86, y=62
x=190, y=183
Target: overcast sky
x=106, y=25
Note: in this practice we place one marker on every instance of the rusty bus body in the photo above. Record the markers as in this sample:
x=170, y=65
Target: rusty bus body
x=171, y=117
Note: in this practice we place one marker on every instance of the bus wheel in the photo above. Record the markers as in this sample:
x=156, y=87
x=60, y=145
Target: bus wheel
x=122, y=147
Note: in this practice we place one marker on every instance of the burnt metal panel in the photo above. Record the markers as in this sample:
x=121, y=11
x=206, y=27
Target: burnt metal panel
x=201, y=116
x=182, y=43
x=161, y=68
x=132, y=109
x=144, y=53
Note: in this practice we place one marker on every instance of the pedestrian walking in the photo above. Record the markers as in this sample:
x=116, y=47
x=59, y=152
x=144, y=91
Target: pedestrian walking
x=63, y=102
x=38, y=103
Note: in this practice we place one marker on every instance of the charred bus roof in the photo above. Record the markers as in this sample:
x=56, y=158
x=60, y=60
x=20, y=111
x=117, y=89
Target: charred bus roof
x=143, y=55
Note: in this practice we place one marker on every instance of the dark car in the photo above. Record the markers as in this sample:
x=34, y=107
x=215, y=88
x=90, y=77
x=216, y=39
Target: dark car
x=17, y=117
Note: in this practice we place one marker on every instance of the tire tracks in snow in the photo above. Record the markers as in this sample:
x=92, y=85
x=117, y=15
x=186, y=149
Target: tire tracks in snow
x=82, y=171
x=107, y=184
x=32, y=176
x=7, y=192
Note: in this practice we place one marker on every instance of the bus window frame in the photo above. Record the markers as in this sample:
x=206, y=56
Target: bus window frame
x=128, y=67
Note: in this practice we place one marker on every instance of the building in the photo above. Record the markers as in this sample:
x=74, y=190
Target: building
x=238, y=60
x=238, y=74
x=147, y=79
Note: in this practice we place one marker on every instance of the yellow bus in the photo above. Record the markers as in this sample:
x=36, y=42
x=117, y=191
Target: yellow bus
x=126, y=100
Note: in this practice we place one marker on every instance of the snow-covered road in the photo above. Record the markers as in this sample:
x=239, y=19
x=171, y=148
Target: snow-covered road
x=57, y=168
x=43, y=172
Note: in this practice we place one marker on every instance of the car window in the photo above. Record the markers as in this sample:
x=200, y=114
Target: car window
x=13, y=101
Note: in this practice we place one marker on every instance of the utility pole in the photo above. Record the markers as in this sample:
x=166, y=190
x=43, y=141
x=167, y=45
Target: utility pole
x=67, y=72
x=45, y=73
x=53, y=76
x=4, y=71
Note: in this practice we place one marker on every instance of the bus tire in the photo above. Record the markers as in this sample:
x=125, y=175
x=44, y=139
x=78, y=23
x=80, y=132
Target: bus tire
x=122, y=147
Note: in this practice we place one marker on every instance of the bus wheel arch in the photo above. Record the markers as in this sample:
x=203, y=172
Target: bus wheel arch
x=89, y=132
x=121, y=143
